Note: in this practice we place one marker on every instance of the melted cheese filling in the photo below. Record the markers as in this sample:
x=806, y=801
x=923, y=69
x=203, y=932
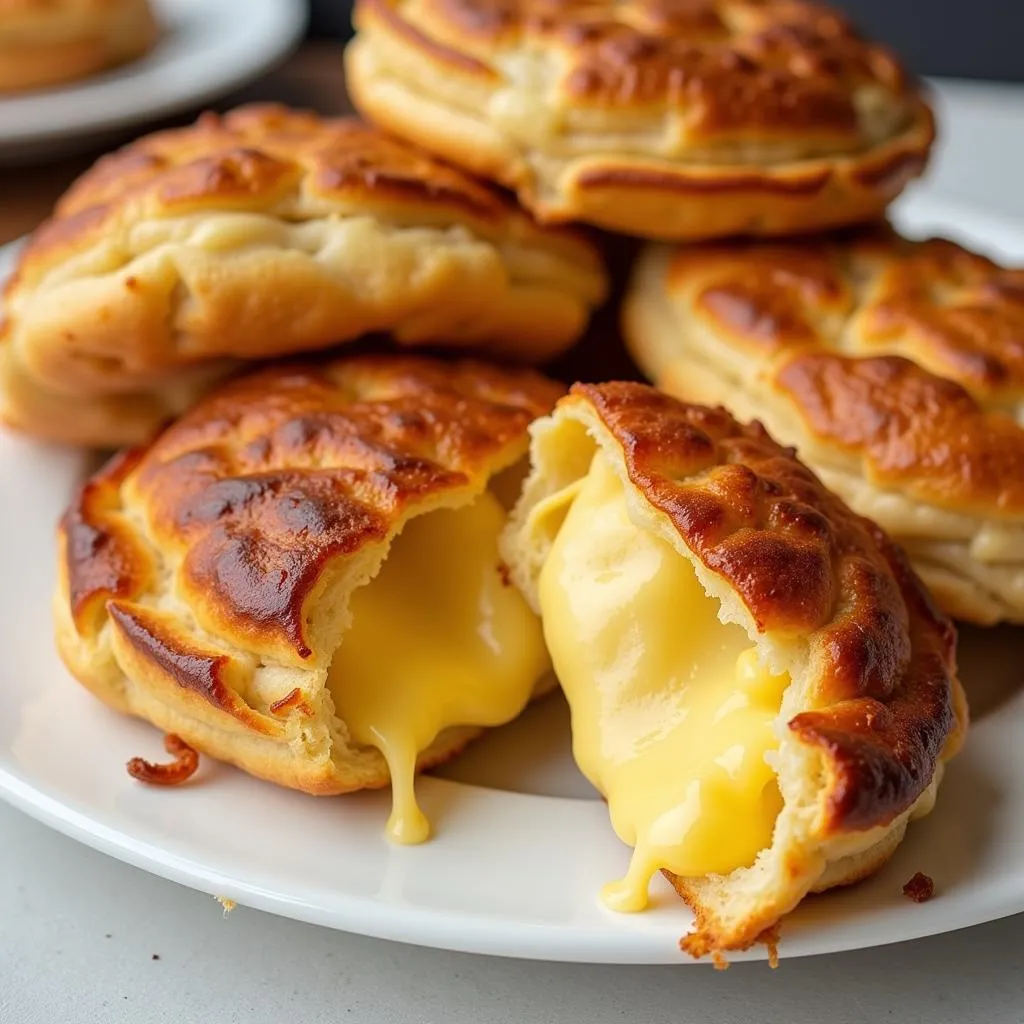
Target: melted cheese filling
x=672, y=711
x=438, y=639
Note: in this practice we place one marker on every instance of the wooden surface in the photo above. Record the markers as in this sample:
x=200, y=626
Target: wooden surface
x=310, y=78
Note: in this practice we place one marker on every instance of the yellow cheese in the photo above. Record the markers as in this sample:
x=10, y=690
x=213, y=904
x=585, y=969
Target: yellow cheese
x=438, y=639
x=672, y=712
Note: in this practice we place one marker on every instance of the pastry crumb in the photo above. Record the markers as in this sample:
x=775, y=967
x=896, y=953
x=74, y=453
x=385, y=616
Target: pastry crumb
x=770, y=938
x=920, y=888
x=182, y=768
x=227, y=903
x=505, y=573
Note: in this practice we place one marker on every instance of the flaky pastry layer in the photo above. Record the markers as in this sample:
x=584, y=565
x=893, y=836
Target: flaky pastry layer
x=259, y=234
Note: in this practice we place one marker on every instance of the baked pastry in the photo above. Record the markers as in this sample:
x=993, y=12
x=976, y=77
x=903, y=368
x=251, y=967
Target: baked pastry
x=265, y=233
x=759, y=685
x=664, y=120
x=301, y=576
x=47, y=42
x=895, y=367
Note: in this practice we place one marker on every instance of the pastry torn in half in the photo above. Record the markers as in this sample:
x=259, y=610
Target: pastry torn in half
x=47, y=42
x=263, y=233
x=675, y=121
x=759, y=685
x=895, y=367
x=302, y=576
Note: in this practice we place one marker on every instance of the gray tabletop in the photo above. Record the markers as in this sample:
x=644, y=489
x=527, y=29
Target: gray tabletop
x=86, y=939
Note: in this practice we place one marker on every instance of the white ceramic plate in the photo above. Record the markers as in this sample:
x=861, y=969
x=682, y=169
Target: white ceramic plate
x=521, y=845
x=206, y=48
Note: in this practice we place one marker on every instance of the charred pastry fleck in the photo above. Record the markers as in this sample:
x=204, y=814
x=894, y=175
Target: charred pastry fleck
x=181, y=769
x=920, y=888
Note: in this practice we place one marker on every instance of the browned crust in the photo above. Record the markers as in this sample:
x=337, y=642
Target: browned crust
x=385, y=11
x=249, y=159
x=294, y=700
x=884, y=173
x=706, y=937
x=165, y=652
x=101, y=557
x=805, y=182
x=659, y=199
x=762, y=102
x=917, y=431
x=895, y=706
x=774, y=67
x=907, y=354
x=270, y=481
x=883, y=657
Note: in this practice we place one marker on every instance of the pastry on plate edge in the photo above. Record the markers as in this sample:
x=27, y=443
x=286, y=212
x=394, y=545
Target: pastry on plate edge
x=651, y=535
x=302, y=531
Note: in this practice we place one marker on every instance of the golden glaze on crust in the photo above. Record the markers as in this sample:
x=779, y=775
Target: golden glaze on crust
x=896, y=367
x=803, y=564
x=663, y=120
x=205, y=578
x=263, y=233
x=874, y=707
x=45, y=42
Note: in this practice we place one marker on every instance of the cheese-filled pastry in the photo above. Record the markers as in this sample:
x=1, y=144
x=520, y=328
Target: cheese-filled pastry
x=49, y=42
x=895, y=367
x=673, y=121
x=302, y=576
x=264, y=233
x=759, y=685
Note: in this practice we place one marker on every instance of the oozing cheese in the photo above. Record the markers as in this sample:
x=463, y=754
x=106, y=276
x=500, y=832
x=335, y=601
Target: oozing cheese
x=672, y=712
x=438, y=639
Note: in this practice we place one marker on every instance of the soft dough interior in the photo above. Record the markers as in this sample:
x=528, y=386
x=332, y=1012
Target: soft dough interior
x=673, y=713
x=438, y=639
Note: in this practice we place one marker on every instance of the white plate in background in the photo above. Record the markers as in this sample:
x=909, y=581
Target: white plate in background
x=521, y=845
x=205, y=48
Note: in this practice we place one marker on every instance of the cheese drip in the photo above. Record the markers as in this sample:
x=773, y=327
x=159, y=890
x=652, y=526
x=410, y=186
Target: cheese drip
x=672, y=711
x=437, y=640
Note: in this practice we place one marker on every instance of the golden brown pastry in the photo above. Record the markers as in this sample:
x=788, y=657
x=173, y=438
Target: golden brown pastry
x=301, y=576
x=47, y=42
x=664, y=120
x=265, y=233
x=760, y=687
x=895, y=367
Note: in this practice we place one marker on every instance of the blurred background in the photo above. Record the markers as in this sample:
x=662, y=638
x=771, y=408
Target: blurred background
x=963, y=38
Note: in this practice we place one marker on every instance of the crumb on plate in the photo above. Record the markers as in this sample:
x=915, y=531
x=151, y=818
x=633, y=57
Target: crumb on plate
x=920, y=888
x=182, y=768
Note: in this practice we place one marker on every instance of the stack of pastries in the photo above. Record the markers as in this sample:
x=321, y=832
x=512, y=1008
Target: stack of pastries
x=337, y=570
